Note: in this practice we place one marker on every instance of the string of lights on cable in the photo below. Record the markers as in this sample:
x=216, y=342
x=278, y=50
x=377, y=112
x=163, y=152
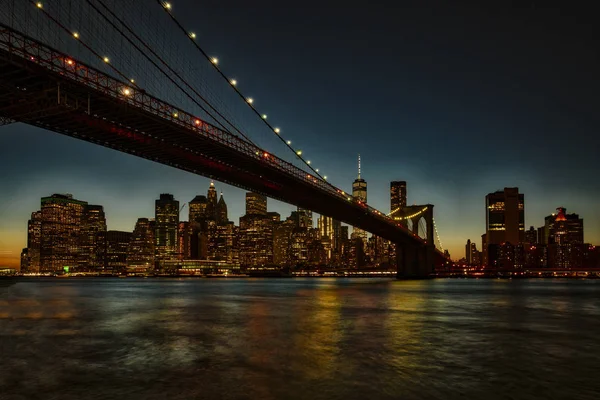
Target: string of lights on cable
x=77, y=36
x=233, y=83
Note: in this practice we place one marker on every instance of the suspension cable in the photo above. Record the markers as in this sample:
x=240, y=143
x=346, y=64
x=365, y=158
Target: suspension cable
x=166, y=7
x=166, y=65
x=90, y=49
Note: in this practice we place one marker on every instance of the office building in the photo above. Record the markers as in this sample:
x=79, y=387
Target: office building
x=505, y=221
x=140, y=252
x=359, y=192
x=92, y=245
x=183, y=240
x=564, y=233
x=211, y=202
x=34, y=240
x=305, y=218
x=166, y=227
x=531, y=236
x=397, y=195
x=256, y=232
x=256, y=204
x=222, y=218
x=197, y=209
x=113, y=258
x=62, y=218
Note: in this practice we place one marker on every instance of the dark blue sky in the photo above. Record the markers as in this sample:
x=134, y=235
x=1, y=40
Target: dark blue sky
x=458, y=101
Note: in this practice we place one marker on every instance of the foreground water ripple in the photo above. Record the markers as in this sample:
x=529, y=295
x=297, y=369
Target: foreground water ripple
x=299, y=339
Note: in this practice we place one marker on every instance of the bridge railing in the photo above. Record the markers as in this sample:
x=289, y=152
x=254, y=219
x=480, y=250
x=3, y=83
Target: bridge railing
x=55, y=61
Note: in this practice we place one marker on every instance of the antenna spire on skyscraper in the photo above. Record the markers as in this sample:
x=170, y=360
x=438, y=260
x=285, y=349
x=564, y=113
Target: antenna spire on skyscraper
x=359, y=166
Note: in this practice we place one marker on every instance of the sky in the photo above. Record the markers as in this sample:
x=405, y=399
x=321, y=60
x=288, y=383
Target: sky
x=456, y=100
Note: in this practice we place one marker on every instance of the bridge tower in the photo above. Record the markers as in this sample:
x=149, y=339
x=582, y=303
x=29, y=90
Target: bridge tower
x=416, y=261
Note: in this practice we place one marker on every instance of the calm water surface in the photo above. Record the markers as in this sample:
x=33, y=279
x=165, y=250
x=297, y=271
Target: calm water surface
x=299, y=339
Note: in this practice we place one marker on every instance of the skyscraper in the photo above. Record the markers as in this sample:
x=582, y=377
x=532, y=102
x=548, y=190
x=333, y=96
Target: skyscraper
x=92, y=245
x=222, y=218
x=116, y=248
x=325, y=228
x=505, y=221
x=471, y=253
x=62, y=218
x=256, y=232
x=140, y=253
x=34, y=238
x=531, y=235
x=183, y=239
x=166, y=225
x=256, y=204
x=211, y=202
x=565, y=239
x=305, y=218
x=468, y=252
x=359, y=192
x=197, y=209
x=397, y=195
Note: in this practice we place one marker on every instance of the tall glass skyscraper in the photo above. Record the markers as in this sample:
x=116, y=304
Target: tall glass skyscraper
x=166, y=227
x=397, y=195
x=505, y=221
x=359, y=192
x=62, y=218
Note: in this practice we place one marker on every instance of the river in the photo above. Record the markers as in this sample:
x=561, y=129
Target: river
x=110, y=338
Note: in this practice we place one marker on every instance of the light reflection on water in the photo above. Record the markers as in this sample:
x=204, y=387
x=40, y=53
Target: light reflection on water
x=299, y=338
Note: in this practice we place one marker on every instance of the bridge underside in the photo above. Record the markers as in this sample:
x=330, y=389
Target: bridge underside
x=32, y=94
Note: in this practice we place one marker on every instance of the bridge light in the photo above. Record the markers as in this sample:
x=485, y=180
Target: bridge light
x=76, y=35
x=266, y=155
x=132, y=80
x=214, y=60
x=317, y=169
x=277, y=130
x=70, y=62
x=126, y=91
x=175, y=114
x=167, y=5
x=289, y=142
x=192, y=35
x=106, y=60
x=39, y=5
x=233, y=82
x=264, y=116
x=325, y=177
x=197, y=122
x=250, y=100
x=299, y=152
x=308, y=162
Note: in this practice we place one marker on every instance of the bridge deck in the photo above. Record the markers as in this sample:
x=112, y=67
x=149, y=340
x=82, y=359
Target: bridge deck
x=46, y=88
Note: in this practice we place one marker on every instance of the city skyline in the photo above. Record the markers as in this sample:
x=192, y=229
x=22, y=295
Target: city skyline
x=465, y=126
x=282, y=207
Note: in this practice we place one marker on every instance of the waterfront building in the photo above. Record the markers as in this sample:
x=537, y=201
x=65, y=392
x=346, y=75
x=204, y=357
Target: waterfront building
x=505, y=221
x=141, y=253
x=92, y=238
x=564, y=235
x=61, y=222
x=166, y=227
x=113, y=257
x=34, y=240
